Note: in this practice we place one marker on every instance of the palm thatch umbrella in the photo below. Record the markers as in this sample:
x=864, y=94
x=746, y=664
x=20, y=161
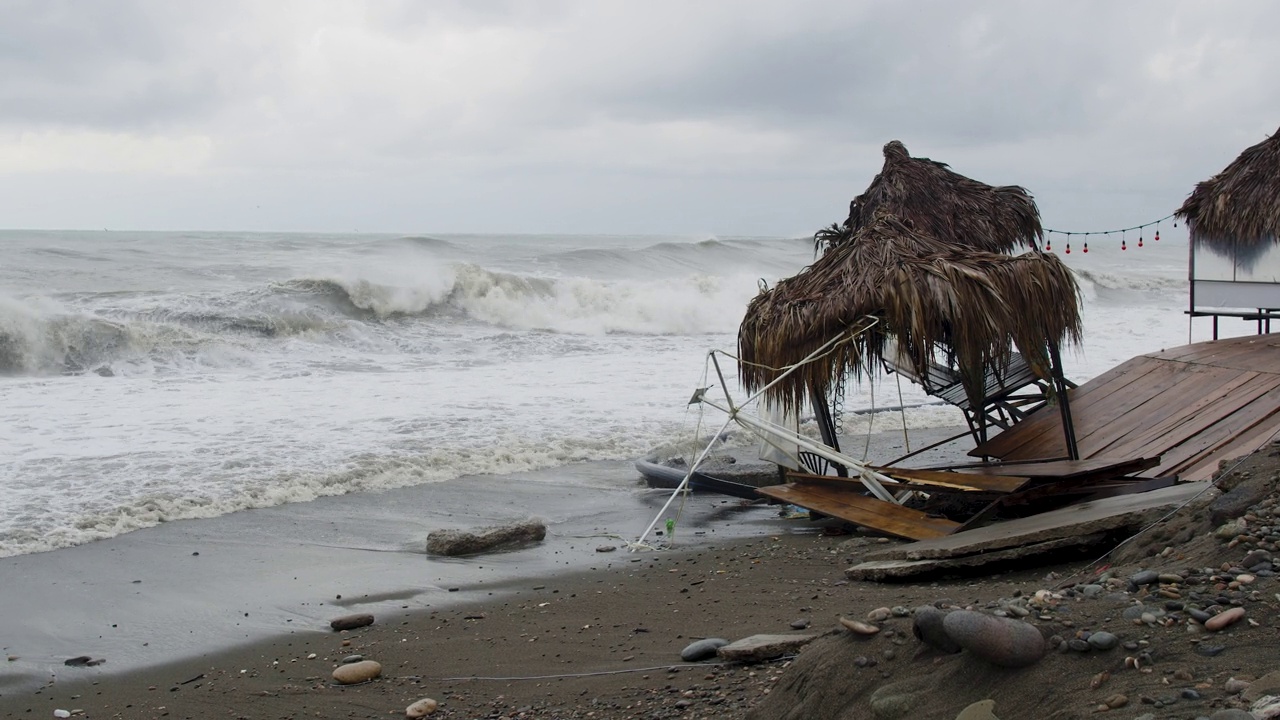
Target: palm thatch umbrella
x=942, y=204
x=968, y=305
x=1236, y=213
x=924, y=250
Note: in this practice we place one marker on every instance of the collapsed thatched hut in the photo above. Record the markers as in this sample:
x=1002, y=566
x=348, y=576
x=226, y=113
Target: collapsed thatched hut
x=924, y=250
x=941, y=204
x=1236, y=213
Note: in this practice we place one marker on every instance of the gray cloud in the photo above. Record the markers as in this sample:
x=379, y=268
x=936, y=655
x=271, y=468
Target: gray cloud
x=717, y=115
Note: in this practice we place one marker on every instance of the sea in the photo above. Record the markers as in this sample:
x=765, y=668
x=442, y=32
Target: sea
x=147, y=377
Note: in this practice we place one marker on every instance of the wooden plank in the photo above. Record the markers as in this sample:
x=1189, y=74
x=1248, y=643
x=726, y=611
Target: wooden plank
x=1089, y=517
x=1071, y=469
x=1088, y=405
x=1221, y=434
x=1193, y=420
x=1206, y=466
x=1101, y=409
x=862, y=510
x=1155, y=403
x=1155, y=433
x=941, y=479
x=987, y=482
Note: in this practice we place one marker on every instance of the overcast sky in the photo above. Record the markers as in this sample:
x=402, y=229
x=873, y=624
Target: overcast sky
x=693, y=116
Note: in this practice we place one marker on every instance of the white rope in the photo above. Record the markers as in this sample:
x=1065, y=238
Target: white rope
x=902, y=411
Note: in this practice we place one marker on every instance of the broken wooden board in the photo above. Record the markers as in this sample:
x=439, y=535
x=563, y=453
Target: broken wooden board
x=1194, y=406
x=869, y=512
x=880, y=570
x=1027, y=536
x=941, y=480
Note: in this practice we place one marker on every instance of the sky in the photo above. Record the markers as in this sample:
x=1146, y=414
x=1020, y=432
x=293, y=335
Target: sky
x=717, y=117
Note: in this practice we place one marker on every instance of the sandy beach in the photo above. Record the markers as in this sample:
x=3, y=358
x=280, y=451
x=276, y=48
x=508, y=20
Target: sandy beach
x=600, y=635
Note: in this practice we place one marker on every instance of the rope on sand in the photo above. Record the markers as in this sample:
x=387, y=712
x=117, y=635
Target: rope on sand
x=586, y=674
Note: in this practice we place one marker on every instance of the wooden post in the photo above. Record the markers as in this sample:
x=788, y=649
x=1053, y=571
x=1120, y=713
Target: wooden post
x=1064, y=405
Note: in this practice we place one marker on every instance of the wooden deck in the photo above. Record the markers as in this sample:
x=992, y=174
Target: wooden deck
x=1192, y=406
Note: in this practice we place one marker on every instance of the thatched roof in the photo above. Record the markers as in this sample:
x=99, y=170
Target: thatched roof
x=1236, y=213
x=977, y=305
x=942, y=204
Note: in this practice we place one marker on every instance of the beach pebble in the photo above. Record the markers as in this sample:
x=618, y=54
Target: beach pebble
x=352, y=659
x=1103, y=641
x=858, y=627
x=880, y=614
x=1233, y=686
x=60, y=713
x=421, y=708
x=605, y=548
x=78, y=661
x=999, y=641
x=351, y=622
x=359, y=672
x=1145, y=577
x=926, y=625
x=1117, y=701
x=800, y=624
x=702, y=649
x=1224, y=619
x=981, y=710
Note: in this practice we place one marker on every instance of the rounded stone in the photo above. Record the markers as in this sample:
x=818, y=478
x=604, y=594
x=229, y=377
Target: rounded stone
x=880, y=614
x=999, y=641
x=926, y=625
x=359, y=672
x=351, y=622
x=1103, y=641
x=1145, y=577
x=421, y=708
x=702, y=649
x=1224, y=619
x=1078, y=645
x=858, y=627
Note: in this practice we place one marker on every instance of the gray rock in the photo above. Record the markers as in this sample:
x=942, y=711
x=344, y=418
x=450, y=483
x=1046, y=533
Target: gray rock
x=1199, y=615
x=351, y=622
x=1078, y=645
x=702, y=649
x=764, y=647
x=1255, y=558
x=605, y=548
x=352, y=659
x=1091, y=591
x=926, y=625
x=1103, y=640
x=1235, y=502
x=800, y=624
x=1145, y=577
x=999, y=641
x=1208, y=650
x=452, y=543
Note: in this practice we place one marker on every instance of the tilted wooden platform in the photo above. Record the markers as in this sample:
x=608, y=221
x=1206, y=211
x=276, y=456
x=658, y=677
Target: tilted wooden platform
x=1192, y=406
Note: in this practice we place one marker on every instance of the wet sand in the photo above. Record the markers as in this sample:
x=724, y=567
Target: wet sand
x=155, y=597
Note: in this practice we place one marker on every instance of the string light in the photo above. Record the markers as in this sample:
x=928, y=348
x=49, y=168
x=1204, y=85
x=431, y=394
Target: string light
x=1122, y=232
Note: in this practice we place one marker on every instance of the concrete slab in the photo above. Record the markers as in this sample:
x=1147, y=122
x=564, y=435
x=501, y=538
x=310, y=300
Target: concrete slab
x=1086, y=518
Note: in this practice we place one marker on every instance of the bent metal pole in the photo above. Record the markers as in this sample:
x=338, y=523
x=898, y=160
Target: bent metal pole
x=868, y=478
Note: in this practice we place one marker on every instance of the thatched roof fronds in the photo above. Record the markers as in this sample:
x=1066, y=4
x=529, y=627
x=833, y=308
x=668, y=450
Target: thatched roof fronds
x=940, y=203
x=975, y=305
x=1236, y=213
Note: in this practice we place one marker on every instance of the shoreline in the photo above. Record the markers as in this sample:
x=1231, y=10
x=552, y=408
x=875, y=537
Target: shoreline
x=153, y=597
